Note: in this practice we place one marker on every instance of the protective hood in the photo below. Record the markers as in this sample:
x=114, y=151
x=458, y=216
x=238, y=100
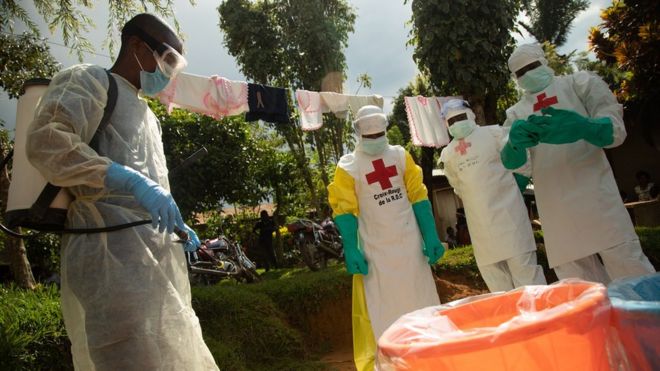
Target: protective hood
x=370, y=120
x=526, y=54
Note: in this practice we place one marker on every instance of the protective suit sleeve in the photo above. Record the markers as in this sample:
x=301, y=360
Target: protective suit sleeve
x=341, y=194
x=413, y=179
x=599, y=102
x=65, y=120
x=432, y=248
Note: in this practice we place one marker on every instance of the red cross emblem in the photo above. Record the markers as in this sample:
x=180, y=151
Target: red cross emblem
x=381, y=174
x=462, y=146
x=542, y=102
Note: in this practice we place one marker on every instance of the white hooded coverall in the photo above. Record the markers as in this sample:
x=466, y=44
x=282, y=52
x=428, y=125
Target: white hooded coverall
x=578, y=200
x=125, y=295
x=383, y=188
x=500, y=230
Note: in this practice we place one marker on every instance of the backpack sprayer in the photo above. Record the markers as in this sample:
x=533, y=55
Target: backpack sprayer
x=34, y=203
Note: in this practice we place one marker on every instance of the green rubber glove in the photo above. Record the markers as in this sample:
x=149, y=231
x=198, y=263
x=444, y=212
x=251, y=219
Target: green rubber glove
x=432, y=248
x=521, y=181
x=565, y=126
x=521, y=136
x=348, y=228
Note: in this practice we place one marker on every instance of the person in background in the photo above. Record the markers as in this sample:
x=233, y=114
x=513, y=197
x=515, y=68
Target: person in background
x=266, y=227
x=500, y=229
x=383, y=214
x=644, y=186
x=125, y=294
x=564, y=122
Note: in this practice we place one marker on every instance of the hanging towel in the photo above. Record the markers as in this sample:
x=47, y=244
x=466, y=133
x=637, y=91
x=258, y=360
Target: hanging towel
x=358, y=101
x=267, y=103
x=213, y=96
x=427, y=128
x=310, y=108
x=336, y=103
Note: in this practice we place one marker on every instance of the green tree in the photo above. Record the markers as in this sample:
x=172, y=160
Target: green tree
x=228, y=174
x=23, y=57
x=295, y=44
x=463, y=46
x=629, y=39
x=550, y=20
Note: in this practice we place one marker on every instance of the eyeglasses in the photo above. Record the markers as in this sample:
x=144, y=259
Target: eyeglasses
x=170, y=61
x=527, y=68
x=461, y=117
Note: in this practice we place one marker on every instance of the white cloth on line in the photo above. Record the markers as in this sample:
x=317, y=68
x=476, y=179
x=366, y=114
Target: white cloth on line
x=356, y=102
x=427, y=128
x=336, y=103
x=310, y=109
x=213, y=96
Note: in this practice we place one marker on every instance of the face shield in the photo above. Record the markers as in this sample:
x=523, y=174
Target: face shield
x=170, y=61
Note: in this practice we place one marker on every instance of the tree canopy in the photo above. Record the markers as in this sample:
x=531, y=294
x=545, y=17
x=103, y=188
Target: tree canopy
x=550, y=20
x=463, y=47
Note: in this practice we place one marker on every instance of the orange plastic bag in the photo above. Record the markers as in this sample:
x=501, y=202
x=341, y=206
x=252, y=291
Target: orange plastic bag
x=564, y=326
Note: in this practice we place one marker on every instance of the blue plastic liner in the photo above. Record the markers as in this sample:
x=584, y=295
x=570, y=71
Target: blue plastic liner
x=636, y=315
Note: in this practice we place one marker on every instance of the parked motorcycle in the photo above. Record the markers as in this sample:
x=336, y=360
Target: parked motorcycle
x=317, y=242
x=220, y=258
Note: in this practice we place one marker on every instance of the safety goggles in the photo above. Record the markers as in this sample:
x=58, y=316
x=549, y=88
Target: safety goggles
x=170, y=61
x=460, y=117
x=527, y=68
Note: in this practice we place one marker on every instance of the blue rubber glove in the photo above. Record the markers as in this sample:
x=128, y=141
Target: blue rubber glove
x=522, y=135
x=192, y=243
x=158, y=202
x=565, y=126
x=355, y=261
x=433, y=248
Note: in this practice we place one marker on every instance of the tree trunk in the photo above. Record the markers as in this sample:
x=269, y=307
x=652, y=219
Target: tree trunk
x=477, y=105
x=298, y=150
x=490, y=109
x=19, y=264
x=16, y=253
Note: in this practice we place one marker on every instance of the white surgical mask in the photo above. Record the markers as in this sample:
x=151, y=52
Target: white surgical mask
x=462, y=129
x=374, y=146
x=536, y=80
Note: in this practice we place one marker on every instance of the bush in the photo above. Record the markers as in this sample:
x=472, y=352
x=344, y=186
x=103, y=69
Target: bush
x=32, y=335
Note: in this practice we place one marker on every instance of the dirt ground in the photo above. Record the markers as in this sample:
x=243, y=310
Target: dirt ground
x=450, y=287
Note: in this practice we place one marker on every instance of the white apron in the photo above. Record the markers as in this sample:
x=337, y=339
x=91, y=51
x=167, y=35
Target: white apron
x=578, y=200
x=495, y=210
x=399, y=279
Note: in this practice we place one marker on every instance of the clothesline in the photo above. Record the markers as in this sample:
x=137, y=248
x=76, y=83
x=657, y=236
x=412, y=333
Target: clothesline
x=220, y=97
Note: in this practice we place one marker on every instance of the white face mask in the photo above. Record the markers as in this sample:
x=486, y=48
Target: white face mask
x=374, y=146
x=462, y=129
x=537, y=79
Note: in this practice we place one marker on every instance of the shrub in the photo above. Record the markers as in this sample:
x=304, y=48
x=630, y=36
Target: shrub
x=32, y=335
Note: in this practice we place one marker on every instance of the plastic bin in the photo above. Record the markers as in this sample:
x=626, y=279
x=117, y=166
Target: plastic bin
x=564, y=326
x=636, y=316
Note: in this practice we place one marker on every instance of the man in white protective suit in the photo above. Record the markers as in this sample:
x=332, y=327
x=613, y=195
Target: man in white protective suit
x=500, y=229
x=381, y=208
x=125, y=295
x=565, y=122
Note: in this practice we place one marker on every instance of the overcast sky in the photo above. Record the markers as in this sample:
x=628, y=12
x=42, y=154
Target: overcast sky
x=377, y=47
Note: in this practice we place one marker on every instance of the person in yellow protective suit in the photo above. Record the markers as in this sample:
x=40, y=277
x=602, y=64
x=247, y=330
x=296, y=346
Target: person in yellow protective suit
x=381, y=208
x=125, y=294
x=565, y=122
x=501, y=232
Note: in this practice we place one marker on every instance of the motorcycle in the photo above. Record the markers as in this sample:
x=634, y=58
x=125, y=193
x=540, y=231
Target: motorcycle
x=220, y=258
x=317, y=242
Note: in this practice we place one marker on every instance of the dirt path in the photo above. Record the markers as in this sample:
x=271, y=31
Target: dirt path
x=450, y=287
